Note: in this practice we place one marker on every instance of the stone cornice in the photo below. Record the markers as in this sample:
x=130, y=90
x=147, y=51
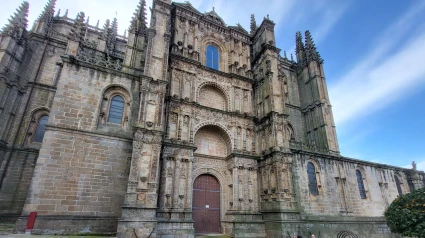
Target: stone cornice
x=74, y=61
x=347, y=159
x=195, y=104
x=199, y=17
x=203, y=67
x=126, y=138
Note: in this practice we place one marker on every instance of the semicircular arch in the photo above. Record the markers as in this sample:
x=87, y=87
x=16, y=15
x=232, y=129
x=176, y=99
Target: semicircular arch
x=223, y=132
x=219, y=87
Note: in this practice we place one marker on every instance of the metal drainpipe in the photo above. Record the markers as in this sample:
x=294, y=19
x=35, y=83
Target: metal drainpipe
x=3, y=175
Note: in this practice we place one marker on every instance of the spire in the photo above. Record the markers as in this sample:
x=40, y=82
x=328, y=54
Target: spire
x=87, y=21
x=112, y=35
x=66, y=14
x=58, y=14
x=138, y=22
x=97, y=24
x=299, y=42
x=104, y=34
x=79, y=29
x=253, y=24
x=48, y=12
x=310, y=47
x=18, y=21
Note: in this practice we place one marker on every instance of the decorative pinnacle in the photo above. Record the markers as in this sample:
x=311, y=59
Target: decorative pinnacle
x=114, y=27
x=58, y=13
x=48, y=12
x=105, y=28
x=299, y=42
x=309, y=43
x=112, y=33
x=138, y=22
x=79, y=29
x=18, y=21
x=66, y=14
x=253, y=24
x=311, y=52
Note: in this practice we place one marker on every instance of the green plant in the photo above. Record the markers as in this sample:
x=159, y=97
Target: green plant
x=406, y=214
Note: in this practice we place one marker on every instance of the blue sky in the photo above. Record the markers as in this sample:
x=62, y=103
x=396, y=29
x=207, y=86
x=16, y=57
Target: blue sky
x=374, y=54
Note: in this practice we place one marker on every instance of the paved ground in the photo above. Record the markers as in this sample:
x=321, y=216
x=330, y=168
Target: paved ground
x=6, y=230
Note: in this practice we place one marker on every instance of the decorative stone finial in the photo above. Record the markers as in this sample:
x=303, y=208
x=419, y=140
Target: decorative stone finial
x=18, y=22
x=48, y=12
x=79, y=30
x=298, y=42
x=253, y=25
x=310, y=47
x=138, y=23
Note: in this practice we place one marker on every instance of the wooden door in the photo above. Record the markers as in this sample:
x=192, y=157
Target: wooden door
x=206, y=204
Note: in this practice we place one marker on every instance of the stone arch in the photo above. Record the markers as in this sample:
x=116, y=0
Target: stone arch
x=289, y=132
x=221, y=180
x=218, y=86
x=213, y=140
x=317, y=167
x=104, y=105
x=36, y=114
x=220, y=45
x=226, y=134
x=346, y=234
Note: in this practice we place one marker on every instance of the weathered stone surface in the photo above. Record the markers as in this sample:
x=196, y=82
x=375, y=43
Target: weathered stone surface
x=133, y=121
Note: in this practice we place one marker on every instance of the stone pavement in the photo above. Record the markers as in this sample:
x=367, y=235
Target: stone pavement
x=6, y=230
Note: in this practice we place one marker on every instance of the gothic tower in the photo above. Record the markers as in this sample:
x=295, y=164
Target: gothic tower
x=315, y=104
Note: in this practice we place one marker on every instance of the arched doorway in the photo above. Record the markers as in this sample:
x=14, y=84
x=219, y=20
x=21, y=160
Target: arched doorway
x=206, y=204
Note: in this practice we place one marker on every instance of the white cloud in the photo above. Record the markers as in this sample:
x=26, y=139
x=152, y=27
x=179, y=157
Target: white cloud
x=380, y=78
x=328, y=15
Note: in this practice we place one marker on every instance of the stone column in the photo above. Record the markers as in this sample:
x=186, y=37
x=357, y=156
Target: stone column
x=140, y=203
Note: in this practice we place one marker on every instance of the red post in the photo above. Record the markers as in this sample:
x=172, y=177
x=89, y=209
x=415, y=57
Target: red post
x=31, y=221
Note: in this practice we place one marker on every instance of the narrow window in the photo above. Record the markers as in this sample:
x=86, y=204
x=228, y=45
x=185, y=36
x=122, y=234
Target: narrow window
x=360, y=184
x=312, y=183
x=41, y=128
x=212, y=57
x=397, y=183
x=116, y=110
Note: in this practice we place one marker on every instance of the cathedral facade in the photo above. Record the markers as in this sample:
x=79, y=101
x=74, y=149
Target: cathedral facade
x=186, y=126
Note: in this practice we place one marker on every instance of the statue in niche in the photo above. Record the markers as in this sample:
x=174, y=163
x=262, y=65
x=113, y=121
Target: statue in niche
x=186, y=120
x=169, y=172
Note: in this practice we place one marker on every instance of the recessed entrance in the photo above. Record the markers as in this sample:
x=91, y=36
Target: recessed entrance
x=206, y=204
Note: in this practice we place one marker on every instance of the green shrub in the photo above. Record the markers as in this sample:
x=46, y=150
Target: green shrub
x=406, y=214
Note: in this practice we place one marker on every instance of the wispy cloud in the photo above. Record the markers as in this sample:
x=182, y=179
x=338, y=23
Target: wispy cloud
x=328, y=16
x=382, y=76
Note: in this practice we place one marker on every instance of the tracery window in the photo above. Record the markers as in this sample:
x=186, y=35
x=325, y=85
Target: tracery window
x=397, y=183
x=360, y=184
x=116, y=109
x=312, y=182
x=41, y=129
x=212, y=57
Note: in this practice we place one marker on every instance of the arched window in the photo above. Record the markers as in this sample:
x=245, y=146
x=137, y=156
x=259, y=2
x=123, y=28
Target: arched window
x=397, y=183
x=212, y=57
x=41, y=128
x=312, y=183
x=116, y=110
x=360, y=184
